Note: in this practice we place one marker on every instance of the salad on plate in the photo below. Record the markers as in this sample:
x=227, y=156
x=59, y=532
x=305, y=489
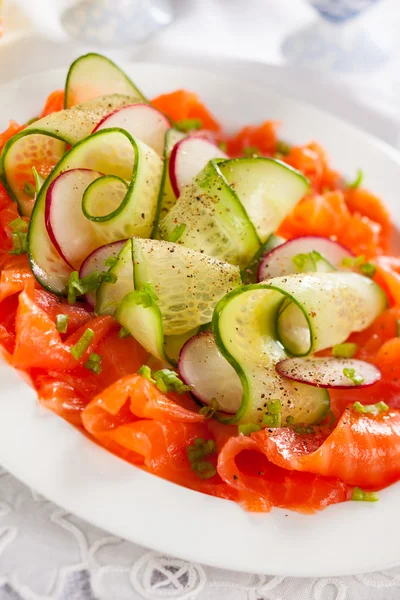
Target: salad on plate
x=220, y=309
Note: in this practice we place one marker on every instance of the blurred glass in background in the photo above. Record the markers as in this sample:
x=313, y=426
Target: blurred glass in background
x=336, y=41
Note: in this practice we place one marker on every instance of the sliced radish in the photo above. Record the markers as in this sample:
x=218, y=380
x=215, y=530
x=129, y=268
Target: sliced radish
x=142, y=121
x=96, y=262
x=202, y=366
x=329, y=372
x=68, y=228
x=188, y=157
x=279, y=261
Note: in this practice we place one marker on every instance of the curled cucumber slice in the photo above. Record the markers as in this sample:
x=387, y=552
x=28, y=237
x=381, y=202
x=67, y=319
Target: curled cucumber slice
x=93, y=75
x=212, y=219
x=252, y=334
x=42, y=145
x=111, y=152
x=173, y=296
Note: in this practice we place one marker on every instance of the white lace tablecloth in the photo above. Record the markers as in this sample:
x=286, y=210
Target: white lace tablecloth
x=47, y=554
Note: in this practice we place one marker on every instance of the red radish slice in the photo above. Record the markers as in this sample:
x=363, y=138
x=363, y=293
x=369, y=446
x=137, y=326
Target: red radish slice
x=69, y=230
x=142, y=121
x=96, y=262
x=329, y=372
x=188, y=157
x=202, y=366
x=279, y=261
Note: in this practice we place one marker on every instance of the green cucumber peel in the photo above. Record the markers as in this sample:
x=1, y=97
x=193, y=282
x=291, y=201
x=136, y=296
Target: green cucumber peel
x=132, y=161
x=216, y=222
x=101, y=71
x=256, y=346
x=51, y=134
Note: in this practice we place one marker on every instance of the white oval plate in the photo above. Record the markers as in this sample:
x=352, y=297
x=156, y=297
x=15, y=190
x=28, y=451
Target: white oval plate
x=58, y=461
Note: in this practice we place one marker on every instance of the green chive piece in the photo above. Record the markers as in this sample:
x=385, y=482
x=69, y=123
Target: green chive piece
x=146, y=296
x=372, y=409
x=168, y=381
x=346, y=350
x=351, y=374
x=357, y=181
x=360, y=496
x=368, y=269
x=62, y=323
x=110, y=261
x=19, y=241
x=18, y=225
x=93, y=363
x=29, y=189
x=177, y=233
x=289, y=420
x=82, y=344
x=222, y=146
x=189, y=124
x=204, y=469
x=209, y=411
x=145, y=371
x=123, y=333
x=272, y=416
x=351, y=262
x=282, y=147
x=38, y=180
x=248, y=428
x=308, y=261
x=78, y=287
x=196, y=452
x=251, y=151
x=108, y=278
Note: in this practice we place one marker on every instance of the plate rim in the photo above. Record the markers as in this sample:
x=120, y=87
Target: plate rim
x=193, y=497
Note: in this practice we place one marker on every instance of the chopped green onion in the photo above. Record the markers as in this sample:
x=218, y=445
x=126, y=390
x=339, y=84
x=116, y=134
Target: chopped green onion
x=123, y=333
x=196, y=452
x=303, y=429
x=273, y=417
x=251, y=151
x=145, y=371
x=357, y=181
x=209, y=411
x=38, y=180
x=248, y=428
x=372, y=409
x=204, y=469
x=352, y=262
x=82, y=344
x=368, y=269
x=90, y=283
x=18, y=225
x=93, y=363
x=62, y=323
x=360, y=496
x=351, y=374
x=346, y=350
x=177, y=233
x=146, y=296
x=282, y=148
x=189, y=124
x=110, y=261
x=29, y=189
x=19, y=241
x=168, y=381
x=222, y=146
x=300, y=260
x=165, y=380
x=289, y=420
